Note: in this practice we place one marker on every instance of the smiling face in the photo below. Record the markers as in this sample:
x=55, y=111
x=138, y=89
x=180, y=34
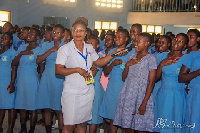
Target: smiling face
x=57, y=34
x=109, y=41
x=120, y=39
x=163, y=45
x=79, y=32
x=24, y=34
x=134, y=32
x=5, y=40
x=32, y=36
x=141, y=44
x=178, y=43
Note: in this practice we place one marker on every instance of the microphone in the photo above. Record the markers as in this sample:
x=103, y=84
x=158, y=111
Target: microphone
x=124, y=50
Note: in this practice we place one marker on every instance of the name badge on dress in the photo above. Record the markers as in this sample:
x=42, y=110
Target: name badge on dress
x=4, y=58
x=177, y=70
x=31, y=57
x=122, y=66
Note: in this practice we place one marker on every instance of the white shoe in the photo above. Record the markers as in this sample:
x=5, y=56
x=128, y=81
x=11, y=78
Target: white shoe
x=55, y=126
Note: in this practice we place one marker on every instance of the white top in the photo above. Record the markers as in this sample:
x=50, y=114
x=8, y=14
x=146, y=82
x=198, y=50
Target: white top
x=69, y=57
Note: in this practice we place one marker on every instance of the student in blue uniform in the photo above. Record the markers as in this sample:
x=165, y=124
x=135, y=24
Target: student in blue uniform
x=23, y=37
x=27, y=80
x=8, y=27
x=163, y=45
x=51, y=85
x=47, y=35
x=114, y=69
x=171, y=96
x=7, y=90
x=98, y=90
x=190, y=72
x=193, y=44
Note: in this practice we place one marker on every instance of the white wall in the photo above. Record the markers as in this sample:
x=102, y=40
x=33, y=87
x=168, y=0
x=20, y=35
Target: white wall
x=25, y=14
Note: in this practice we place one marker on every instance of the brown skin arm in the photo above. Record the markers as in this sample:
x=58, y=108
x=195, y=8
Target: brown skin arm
x=185, y=76
x=108, y=69
x=142, y=108
x=125, y=73
x=61, y=70
x=41, y=66
x=11, y=87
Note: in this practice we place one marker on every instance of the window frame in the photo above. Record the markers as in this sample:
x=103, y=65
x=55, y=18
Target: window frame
x=9, y=17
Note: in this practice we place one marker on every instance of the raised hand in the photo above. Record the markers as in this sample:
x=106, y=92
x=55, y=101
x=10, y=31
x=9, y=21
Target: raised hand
x=55, y=48
x=132, y=62
x=117, y=62
x=85, y=74
x=94, y=70
x=168, y=61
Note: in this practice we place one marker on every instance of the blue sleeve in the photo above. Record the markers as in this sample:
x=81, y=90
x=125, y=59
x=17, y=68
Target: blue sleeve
x=13, y=54
x=188, y=60
x=15, y=40
x=21, y=48
x=110, y=53
x=43, y=49
x=161, y=57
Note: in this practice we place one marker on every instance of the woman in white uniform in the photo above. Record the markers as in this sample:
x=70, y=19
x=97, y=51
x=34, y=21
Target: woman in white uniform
x=74, y=61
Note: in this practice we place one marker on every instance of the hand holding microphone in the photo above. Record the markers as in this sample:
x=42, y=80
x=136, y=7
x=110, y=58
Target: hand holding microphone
x=126, y=50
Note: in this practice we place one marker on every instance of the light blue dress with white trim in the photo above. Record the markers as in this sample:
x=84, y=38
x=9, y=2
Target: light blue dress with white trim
x=27, y=80
x=108, y=106
x=6, y=100
x=51, y=85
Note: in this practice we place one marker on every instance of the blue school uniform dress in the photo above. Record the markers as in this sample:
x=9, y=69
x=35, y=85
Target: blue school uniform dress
x=51, y=85
x=157, y=85
x=27, y=80
x=108, y=106
x=171, y=100
x=6, y=100
x=132, y=95
x=98, y=97
x=193, y=100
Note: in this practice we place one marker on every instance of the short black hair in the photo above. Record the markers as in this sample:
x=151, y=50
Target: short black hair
x=185, y=36
x=169, y=40
x=125, y=31
x=9, y=35
x=49, y=29
x=148, y=36
x=139, y=26
x=36, y=30
x=195, y=31
x=93, y=37
x=26, y=28
x=9, y=24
